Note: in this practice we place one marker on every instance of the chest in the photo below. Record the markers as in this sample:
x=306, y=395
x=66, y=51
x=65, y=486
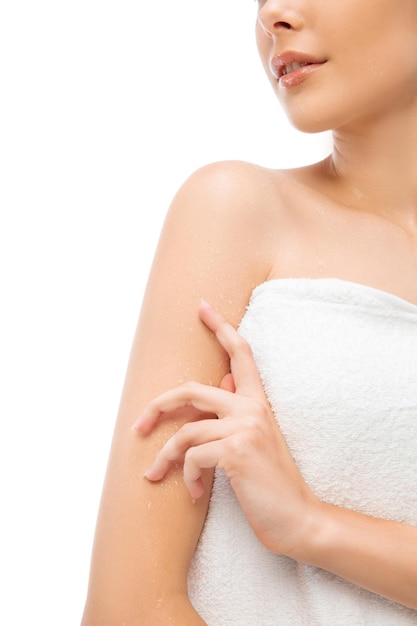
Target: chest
x=321, y=239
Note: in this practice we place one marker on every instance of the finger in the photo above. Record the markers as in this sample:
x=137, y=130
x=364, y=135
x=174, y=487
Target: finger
x=227, y=383
x=204, y=398
x=197, y=459
x=242, y=364
x=188, y=437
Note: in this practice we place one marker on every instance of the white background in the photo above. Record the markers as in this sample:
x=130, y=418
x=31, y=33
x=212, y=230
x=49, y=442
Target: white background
x=105, y=108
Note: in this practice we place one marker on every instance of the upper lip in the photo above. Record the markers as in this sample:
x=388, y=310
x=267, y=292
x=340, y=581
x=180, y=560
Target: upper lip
x=280, y=61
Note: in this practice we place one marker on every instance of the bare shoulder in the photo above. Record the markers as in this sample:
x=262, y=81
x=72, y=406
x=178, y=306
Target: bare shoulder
x=257, y=216
x=241, y=187
x=240, y=204
x=250, y=191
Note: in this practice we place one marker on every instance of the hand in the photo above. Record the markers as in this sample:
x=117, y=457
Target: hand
x=245, y=442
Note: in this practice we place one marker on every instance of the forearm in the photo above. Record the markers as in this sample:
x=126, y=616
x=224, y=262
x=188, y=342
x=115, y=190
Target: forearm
x=145, y=537
x=375, y=554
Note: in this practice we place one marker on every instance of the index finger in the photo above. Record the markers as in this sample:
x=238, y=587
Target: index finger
x=242, y=363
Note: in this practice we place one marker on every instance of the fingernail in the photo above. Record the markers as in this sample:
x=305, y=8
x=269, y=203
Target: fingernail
x=148, y=474
x=206, y=305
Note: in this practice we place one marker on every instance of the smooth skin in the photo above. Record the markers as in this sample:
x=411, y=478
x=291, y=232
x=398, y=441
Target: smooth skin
x=230, y=227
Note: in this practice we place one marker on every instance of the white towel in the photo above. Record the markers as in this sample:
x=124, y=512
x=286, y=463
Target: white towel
x=339, y=364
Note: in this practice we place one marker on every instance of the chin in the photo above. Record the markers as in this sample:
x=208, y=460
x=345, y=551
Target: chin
x=310, y=124
x=309, y=115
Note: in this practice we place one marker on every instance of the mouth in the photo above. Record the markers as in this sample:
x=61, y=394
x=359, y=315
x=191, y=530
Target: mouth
x=289, y=62
x=291, y=67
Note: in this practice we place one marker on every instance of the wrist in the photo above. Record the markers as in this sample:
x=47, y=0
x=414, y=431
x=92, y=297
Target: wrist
x=313, y=536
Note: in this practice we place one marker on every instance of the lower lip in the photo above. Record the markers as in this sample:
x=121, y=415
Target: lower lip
x=298, y=76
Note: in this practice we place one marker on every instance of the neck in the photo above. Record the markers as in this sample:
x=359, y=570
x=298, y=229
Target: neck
x=375, y=166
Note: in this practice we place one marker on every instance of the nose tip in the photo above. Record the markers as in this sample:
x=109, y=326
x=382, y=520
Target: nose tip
x=277, y=15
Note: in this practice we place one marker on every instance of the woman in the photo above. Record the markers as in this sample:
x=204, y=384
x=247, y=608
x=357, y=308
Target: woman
x=312, y=521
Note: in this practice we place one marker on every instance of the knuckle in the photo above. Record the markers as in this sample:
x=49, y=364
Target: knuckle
x=169, y=454
x=190, y=457
x=259, y=409
x=254, y=429
x=189, y=386
x=233, y=446
x=252, y=424
x=189, y=390
x=186, y=432
x=256, y=412
x=237, y=449
x=239, y=345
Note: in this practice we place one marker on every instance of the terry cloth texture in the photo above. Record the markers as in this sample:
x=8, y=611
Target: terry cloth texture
x=339, y=365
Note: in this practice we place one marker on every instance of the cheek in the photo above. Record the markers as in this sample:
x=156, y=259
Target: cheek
x=388, y=73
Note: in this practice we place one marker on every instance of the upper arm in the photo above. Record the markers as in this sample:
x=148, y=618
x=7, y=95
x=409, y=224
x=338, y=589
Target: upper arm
x=147, y=533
